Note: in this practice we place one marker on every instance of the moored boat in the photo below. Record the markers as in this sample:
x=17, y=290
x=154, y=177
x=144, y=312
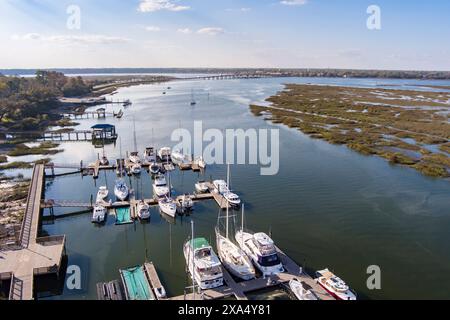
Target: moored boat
x=168, y=206
x=261, y=249
x=99, y=214
x=334, y=285
x=300, y=290
x=121, y=190
x=102, y=194
x=160, y=187
x=143, y=210
x=201, y=187
x=203, y=263
x=164, y=154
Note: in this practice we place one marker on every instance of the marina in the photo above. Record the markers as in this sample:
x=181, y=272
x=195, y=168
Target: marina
x=295, y=223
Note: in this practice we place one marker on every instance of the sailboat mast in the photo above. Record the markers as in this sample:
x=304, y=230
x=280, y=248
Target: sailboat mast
x=134, y=134
x=120, y=159
x=242, y=225
x=193, y=258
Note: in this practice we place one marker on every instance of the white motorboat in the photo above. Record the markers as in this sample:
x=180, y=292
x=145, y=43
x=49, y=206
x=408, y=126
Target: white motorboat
x=121, y=190
x=334, y=285
x=104, y=161
x=160, y=187
x=165, y=154
x=185, y=203
x=300, y=291
x=154, y=168
x=143, y=210
x=203, y=264
x=200, y=162
x=201, y=187
x=134, y=158
x=180, y=158
x=136, y=169
x=149, y=155
x=99, y=214
x=102, y=194
x=160, y=293
x=221, y=187
x=168, y=206
x=261, y=249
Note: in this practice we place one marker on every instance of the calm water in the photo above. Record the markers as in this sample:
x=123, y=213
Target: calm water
x=327, y=207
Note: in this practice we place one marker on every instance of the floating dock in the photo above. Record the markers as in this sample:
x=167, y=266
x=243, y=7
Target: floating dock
x=110, y=291
x=136, y=284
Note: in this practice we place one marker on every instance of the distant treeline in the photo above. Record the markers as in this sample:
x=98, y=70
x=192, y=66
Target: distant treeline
x=333, y=73
x=28, y=103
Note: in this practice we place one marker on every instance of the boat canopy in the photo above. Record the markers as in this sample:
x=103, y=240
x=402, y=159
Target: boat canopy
x=199, y=243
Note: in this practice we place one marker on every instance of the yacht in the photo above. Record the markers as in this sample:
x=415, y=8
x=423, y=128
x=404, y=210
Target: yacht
x=201, y=187
x=203, y=264
x=221, y=187
x=121, y=190
x=300, y=291
x=143, y=210
x=104, y=160
x=160, y=187
x=179, y=158
x=334, y=285
x=99, y=214
x=168, y=206
x=102, y=194
x=165, y=154
x=261, y=249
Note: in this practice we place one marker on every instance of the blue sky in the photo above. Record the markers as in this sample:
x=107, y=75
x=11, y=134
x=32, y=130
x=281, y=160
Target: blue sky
x=229, y=33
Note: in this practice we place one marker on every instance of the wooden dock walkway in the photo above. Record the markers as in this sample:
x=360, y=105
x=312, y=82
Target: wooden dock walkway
x=110, y=291
x=32, y=255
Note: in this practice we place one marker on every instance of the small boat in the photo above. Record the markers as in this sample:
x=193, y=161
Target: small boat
x=121, y=190
x=149, y=155
x=203, y=264
x=160, y=187
x=334, y=285
x=102, y=194
x=104, y=160
x=143, y=210
x=200, y=162
x=168, y=206
x=201, y=187
x=185, y=203
x=160, y=293
x=193, y=102
x=232, y=199
x=154, y=168
x=136, y=169
x=261, y=249
x=165, y=154
x=127, y=103
x=119, y=115
x=134, y=158
x=298, y=288
x=99, y=214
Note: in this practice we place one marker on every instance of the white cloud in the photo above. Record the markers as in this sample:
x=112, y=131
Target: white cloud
x=294, y=2
x=156, y=5
x=72, y=39
x=153, y=29
x=185, y=31
x=210, y=31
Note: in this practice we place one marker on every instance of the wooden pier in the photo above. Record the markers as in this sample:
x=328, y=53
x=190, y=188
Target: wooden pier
x=110, y=291
x=32, y=255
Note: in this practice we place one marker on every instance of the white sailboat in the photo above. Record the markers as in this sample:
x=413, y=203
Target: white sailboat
x=136, y=168
x=168, y=206
x=134, y=156
x=233, y=258
x=143, y=210
x=203, y=264
x=121, y=190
